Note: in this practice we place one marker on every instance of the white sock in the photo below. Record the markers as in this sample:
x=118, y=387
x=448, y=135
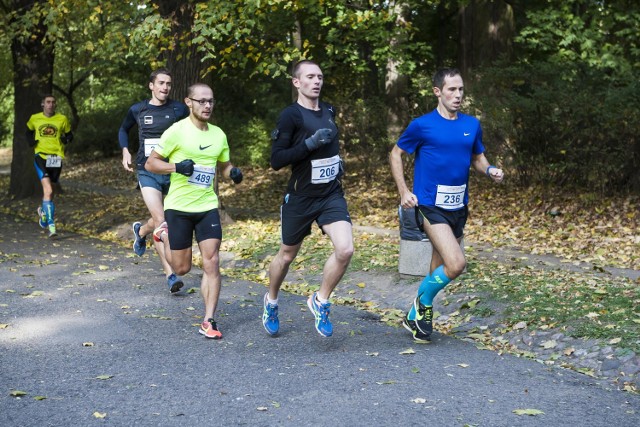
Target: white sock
x=320, y=300
x=272, y=301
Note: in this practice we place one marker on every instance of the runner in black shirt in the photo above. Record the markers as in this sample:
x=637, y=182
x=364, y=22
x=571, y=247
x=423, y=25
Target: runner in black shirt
x=306, y=138
x=153, y=116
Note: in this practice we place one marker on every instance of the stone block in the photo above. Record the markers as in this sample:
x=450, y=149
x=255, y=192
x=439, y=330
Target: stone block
x=415, y=257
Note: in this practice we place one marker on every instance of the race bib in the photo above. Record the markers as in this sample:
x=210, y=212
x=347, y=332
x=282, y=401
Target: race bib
x=54, y=161
x=202, y=176
x=325, y=170
x=149, y=145
x=450, y=197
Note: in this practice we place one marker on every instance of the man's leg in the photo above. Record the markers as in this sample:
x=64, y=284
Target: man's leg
x=341, y=236
x=210, y=286
x=48, y=209
x=153, y=200
x=279, y=267
x=447, y=263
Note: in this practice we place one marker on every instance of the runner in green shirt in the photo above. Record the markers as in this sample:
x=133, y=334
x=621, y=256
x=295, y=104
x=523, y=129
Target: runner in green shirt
x=191, y=150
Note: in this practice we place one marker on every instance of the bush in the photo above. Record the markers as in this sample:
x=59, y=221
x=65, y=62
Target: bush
x=563, y=126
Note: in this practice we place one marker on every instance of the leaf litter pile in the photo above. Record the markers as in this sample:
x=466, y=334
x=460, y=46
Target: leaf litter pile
x=577, y=227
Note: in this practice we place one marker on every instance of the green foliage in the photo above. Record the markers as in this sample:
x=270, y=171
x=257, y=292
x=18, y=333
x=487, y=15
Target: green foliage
x=105, y=104
x=564, y=112
x=250, y=36
x=6, y=111
x=248, y=140
x=563, y=129
x=559, y=112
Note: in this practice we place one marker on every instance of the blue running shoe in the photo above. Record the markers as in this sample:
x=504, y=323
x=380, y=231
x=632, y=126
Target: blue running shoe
x=175, y=283
x=270, y=317
x=42, y=218
x=139, y=243
x=321, y=313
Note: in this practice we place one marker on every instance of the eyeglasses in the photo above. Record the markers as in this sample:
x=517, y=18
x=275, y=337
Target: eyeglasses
x=204, y=102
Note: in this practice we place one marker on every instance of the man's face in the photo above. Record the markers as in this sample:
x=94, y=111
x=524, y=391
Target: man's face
x=160, y=88
x=309, y=81
x=49, y=106
x=201, y=112
x=450, y=96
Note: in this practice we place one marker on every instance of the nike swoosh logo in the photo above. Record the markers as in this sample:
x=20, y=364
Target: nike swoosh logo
x=465, y=134
x=204, y=148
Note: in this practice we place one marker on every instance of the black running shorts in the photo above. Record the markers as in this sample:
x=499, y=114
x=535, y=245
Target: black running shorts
x=44, y=172
x=297, y=213
x=435, y=215
x=182, y=225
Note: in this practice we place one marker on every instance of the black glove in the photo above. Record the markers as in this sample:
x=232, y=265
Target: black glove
x=66, y=138
x=318, y=139
x=236, y=175
x=31, y=138
x=185, y=167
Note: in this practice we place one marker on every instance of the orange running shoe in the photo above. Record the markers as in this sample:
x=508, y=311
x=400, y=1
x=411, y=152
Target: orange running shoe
x=158, y=232
x=210, y=330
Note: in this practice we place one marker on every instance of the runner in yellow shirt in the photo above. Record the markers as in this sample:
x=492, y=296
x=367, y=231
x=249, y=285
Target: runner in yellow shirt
x=191, y=150
x=48, y=132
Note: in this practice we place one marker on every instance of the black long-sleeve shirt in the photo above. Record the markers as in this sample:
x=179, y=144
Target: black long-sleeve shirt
x=313, y=173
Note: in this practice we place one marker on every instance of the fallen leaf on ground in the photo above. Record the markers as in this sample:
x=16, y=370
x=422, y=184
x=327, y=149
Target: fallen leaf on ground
x=104, y=377
x=532, y=412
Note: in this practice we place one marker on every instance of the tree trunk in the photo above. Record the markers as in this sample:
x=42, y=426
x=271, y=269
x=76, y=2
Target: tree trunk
x=183, y=59
x=395, y=84
x=486, y=29
x=33, y=77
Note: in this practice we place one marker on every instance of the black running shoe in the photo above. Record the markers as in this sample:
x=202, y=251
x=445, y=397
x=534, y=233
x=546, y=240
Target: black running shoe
x=410, y=326
x=424, y=317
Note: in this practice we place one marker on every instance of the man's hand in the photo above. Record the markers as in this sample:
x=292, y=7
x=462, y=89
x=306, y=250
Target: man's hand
x=236, y=175
x=495, y=173
x=185, y=167
x=408, y=200
x=126, y=159
x=31, y=138
x=318, y=139
x=66, y=138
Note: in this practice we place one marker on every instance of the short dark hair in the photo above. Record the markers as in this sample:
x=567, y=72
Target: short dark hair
x=48, y=95
x=154, y=74
x=441, y=74
x=296, y=67
x=191, y=89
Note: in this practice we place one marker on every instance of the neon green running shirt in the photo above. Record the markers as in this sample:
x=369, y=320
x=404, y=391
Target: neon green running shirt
x=47, y=133
x=183, y=140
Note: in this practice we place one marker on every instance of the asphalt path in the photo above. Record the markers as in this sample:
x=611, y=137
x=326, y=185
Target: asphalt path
x=90, y=335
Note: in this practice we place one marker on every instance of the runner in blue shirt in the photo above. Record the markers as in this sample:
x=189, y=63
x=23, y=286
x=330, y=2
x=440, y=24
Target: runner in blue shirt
x=152, y=116
x=446, y=144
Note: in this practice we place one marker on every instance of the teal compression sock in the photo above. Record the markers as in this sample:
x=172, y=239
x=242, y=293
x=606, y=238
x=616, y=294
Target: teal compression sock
x=431, y=285
x=412, y=311
x=49, y=209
